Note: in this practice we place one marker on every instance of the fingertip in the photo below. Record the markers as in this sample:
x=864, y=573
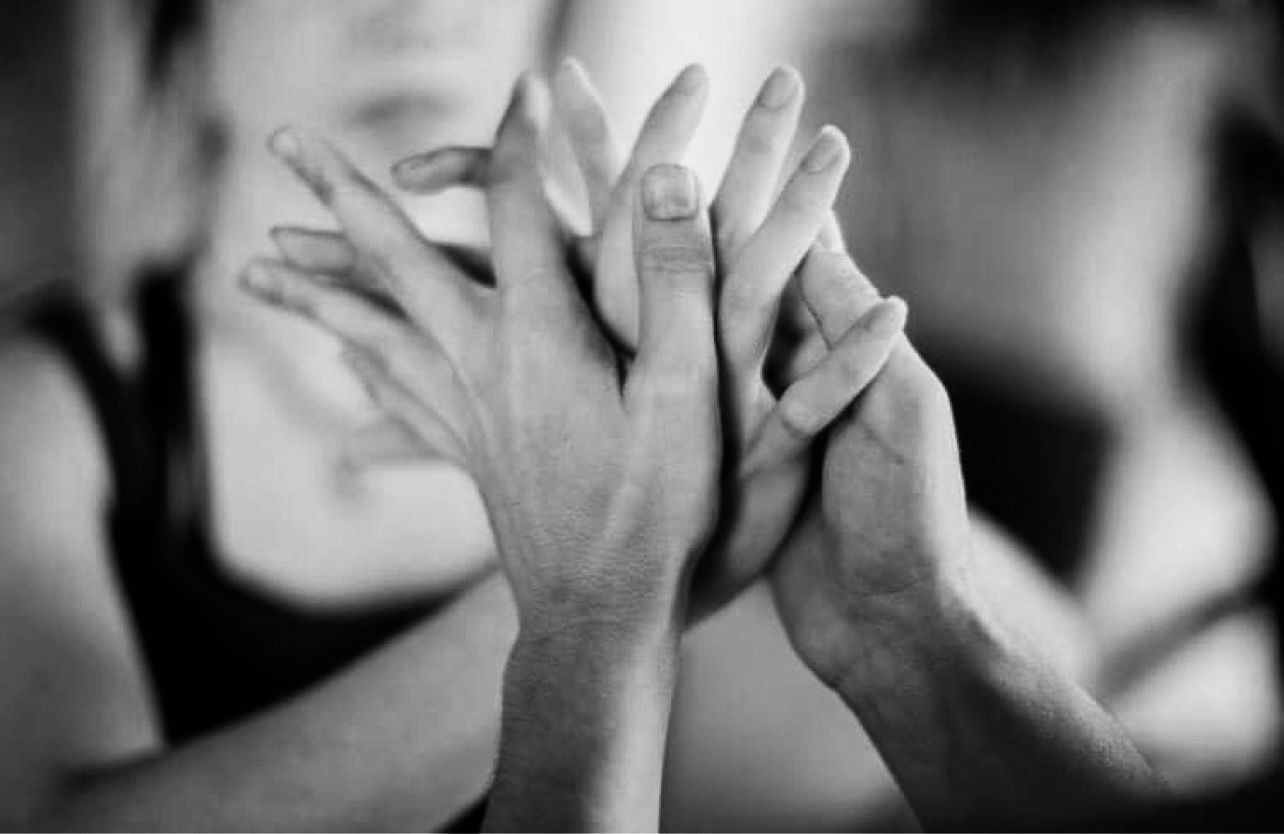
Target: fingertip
x=693, y=78
x=829, y=150
x=425, y=172
x=408, y=167
x=259, y=279
x=285, y=238
x=781, y=87
x=887, y=318
x=286, y=143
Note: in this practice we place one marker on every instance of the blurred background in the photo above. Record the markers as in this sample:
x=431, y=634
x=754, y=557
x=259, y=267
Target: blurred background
x=1079, y=201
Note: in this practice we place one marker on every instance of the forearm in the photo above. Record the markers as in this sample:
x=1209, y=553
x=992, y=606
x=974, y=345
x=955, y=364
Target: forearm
x=978, y=730
x=404, y=738
x=585, y=718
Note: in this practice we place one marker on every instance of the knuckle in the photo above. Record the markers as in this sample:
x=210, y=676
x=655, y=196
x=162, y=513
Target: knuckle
x=674, y=385
x=675, y=261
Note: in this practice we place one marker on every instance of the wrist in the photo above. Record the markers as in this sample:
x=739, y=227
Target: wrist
x=597, y=645
x=931, y=631
x=585, y=717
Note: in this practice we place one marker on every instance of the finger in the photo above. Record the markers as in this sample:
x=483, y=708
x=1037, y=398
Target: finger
x=329, y=255
x=443, y=168
x=794, y=342
x=315, y=251
x=597, y=153
x=675, y=266
x=526, y=236
x=816, y=400
x=389, y=440
x=835, y=291
x=668, y=128
x=756, y=161
x=423, y=282
x=337, y=310
x=831, y=235
x=664, y=137
x=751, y=293
x=433, y=432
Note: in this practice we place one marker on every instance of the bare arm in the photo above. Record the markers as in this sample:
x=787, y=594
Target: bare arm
x=404, y=738
x=399, y=740
x=880, y=597
x=978, y=729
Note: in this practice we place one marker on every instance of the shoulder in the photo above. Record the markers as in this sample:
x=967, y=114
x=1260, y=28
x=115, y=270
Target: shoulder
x=74, y=692
x=52, y=461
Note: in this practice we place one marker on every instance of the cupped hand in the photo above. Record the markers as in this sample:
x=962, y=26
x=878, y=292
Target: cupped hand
x=887, y=540
x=600, y=480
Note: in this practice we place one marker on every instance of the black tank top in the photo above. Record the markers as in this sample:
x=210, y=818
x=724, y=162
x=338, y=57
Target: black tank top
x=216, y=651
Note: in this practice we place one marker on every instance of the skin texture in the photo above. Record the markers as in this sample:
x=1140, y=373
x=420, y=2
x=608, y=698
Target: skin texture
x=600, y=469
x=874, y=587
x=765, y=216
x=82, y=749
x=876, y=591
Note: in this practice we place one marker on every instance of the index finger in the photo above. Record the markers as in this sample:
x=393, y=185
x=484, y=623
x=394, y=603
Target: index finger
x=526, y=236
x=427, y=285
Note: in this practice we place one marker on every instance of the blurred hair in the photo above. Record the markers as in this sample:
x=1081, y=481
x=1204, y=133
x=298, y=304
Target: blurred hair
x=166, y=26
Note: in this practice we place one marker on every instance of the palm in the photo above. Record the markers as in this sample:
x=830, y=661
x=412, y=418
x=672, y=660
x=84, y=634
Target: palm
x=891, y=499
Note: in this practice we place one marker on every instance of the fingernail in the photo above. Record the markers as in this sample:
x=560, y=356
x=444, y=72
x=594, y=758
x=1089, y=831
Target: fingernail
x=669, y=192
x=779, y=88
x=887, y=318
x=285, y=143
x=690, y=79
x=825, y=151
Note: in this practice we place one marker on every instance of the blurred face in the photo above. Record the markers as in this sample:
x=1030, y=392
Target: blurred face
x=391, y=75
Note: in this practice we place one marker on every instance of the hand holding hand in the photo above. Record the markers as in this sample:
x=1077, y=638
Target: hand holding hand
x=886, y=545
x=601, y=486
x=762, y=237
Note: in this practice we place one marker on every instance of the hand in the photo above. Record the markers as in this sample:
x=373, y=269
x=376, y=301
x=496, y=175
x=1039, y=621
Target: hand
x=601, y=486
x=887, y=544
x=759, y=243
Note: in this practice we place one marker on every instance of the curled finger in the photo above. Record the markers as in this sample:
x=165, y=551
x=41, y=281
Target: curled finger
x=813, y=402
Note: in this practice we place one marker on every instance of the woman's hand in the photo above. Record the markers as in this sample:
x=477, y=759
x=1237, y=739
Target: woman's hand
x=761, y=240
x=875, y=591
x=887, y=538
x=600, y=476
x=600, y=485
